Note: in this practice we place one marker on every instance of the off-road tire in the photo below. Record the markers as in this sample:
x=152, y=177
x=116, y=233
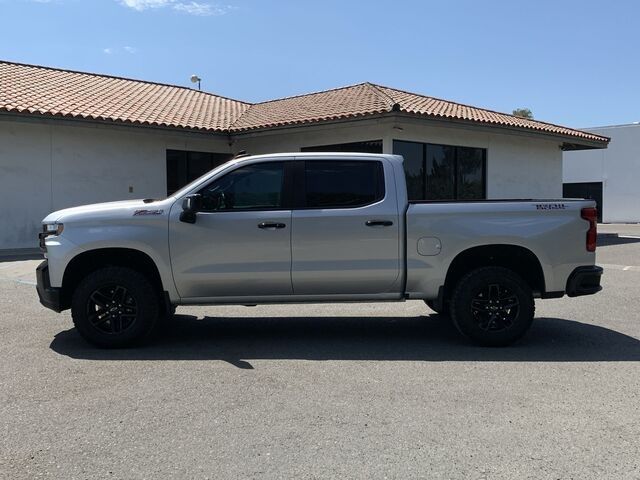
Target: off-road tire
x=492, y=306
x=127, y=308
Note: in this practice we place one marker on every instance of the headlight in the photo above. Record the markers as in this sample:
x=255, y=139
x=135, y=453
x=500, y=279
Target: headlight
x=53, y=228
x=47, y=230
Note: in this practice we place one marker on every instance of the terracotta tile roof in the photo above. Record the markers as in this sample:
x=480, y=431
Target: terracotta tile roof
x=50, y=91
x=422, y=105
x=339, y=103
x=370, y=99
x=29, y=89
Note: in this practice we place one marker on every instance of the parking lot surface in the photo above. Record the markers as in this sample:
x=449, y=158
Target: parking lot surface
x=326, y=391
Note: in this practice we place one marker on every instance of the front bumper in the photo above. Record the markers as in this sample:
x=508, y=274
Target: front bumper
x=49, y=296
x=584, y=281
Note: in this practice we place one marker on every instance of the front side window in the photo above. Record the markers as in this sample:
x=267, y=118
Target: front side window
x=252, y=187
x=343, y=183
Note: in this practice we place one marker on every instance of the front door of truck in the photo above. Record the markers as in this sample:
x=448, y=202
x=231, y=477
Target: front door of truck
x=345, y=236
x=240, y=243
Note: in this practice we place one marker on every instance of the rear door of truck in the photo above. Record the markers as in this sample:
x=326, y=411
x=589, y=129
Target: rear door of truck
x=345, y=227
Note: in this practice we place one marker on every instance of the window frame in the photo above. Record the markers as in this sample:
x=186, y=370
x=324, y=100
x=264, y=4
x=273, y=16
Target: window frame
x=300, y=193
x=287, y=187
x=455, y=171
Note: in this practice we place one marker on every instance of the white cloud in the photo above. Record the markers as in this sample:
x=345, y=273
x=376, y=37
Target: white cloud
x=116, y=50
x=141, y=5
x=190, y=7
x=201, y=9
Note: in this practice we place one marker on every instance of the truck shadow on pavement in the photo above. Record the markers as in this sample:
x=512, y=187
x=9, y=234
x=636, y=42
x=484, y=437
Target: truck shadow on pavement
x=611, y=241
x=424, y=338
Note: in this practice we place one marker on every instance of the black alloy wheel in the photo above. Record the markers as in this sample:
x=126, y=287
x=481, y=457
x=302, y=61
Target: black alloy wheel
x=112, y=309
x=495, y=307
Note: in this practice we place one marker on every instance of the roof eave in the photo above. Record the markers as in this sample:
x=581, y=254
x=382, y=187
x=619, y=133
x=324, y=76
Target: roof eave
x=113, y=122
x=568, y=142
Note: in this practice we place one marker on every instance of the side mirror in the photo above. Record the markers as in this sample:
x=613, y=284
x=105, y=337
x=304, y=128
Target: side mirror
x=191, y=204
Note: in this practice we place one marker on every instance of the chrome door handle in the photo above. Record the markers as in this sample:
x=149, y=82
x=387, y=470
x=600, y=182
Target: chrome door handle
x=271, y=225
x=378, y=223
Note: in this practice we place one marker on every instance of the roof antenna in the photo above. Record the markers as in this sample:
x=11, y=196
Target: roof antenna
x=196, y=79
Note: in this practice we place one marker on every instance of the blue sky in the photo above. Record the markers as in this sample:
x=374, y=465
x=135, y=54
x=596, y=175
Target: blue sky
x=575, y=63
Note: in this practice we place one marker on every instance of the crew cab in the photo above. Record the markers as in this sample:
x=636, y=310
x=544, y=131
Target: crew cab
x=314, y=227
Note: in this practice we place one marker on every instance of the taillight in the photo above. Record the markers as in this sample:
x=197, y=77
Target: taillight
x=591, y=215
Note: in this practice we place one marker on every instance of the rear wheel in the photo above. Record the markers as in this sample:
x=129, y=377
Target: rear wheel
x=114, y=307
x=492, y=306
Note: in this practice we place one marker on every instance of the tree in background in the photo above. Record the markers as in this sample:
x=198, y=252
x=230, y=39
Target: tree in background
x=523, y=112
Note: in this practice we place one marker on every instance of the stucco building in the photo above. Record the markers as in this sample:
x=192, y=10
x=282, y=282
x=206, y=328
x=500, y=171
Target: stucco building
x=610, y=176
x=70, y=138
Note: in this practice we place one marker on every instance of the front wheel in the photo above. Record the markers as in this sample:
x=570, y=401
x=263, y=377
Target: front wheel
x=114, y=307
x=493, y=306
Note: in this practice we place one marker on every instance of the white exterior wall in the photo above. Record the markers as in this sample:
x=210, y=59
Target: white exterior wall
x=293, y=139
x=25, y=182
x=46, y=166
x=54, y=164
x=518, y=166
x=617, y=167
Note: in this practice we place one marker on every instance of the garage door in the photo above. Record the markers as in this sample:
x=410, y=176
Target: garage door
x=589, y=190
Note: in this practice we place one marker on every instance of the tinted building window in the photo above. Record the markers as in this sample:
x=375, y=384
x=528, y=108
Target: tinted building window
x=470, y=176
x=443, y=172
x=253, y=187
x=440, y=172
x=343, y=184
x=413, y=154
x=185, y=166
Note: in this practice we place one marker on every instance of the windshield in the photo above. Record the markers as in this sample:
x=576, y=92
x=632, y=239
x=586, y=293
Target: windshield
x=200, y=179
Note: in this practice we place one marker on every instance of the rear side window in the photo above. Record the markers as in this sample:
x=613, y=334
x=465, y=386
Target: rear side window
x=343, y=183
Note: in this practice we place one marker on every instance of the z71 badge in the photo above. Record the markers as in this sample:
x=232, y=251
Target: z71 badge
x=147, y=212
x=550, y=206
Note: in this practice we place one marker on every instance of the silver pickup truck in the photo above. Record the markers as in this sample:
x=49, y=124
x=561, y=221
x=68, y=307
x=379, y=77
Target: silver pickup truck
x=302, y=228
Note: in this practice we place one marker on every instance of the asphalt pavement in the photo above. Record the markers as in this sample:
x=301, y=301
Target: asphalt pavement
x=326, y=391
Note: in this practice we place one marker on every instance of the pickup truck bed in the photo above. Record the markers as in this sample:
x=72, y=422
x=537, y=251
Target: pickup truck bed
x=549, y=234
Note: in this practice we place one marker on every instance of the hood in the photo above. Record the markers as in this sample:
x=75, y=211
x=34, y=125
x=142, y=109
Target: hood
x=123, y=208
